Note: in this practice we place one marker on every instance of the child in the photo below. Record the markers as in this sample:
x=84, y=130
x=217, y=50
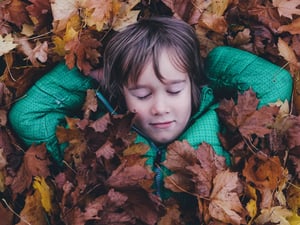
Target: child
x=153, y=68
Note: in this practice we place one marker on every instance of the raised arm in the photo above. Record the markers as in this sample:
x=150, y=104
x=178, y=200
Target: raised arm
x=230, y=70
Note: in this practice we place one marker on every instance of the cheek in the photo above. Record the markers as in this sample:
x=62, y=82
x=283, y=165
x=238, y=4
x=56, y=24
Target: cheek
x=134, y=106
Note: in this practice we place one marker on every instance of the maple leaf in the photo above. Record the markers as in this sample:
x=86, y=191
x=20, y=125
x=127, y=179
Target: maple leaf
x=187, y=10
x=61, y=12
x=6, y=44
x=82, y=52
x=41, y=12
x=124, y=14
x=16, y=13
x=275, y=215
x=287, y=8
x=36, y=163
x=129, y=177
x=266, y=14
x=193, y=169
x=244, y=123
x=33, y=212
x=225, y=205
x=97, y=13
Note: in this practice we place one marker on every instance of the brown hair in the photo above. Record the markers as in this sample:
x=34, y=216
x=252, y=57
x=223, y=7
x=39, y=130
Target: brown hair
x=128, y=51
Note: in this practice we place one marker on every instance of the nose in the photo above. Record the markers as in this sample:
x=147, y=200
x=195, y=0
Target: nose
x=160, y=105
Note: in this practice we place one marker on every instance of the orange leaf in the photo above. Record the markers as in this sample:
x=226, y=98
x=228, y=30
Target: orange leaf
x=33, y=212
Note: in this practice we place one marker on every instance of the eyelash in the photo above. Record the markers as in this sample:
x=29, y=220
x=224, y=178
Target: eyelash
x=174, y=92
x=143, y=97
x=169, y=92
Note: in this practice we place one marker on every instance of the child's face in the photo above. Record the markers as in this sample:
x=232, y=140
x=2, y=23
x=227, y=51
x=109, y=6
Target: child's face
x=162, y=109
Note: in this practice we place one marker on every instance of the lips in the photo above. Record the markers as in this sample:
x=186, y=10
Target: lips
x=162, y=125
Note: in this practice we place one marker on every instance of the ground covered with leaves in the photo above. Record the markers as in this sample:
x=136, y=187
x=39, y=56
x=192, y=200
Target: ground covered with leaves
x=103, y=178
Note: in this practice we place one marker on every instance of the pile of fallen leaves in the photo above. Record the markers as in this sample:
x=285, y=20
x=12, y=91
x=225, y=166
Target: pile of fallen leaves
x=103, y=179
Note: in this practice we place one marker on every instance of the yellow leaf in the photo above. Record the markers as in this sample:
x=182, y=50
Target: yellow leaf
x=70, y=33
x=27, y=30
x=124, y=14
x=6, y=44
x=251, y=208
x=293, y=197
x=59, y=45
x=294, y=219
x=252, y=204
x=97, y=13
x=42, y=187
x=33, y=212
x=218, y=7
x=277, y=215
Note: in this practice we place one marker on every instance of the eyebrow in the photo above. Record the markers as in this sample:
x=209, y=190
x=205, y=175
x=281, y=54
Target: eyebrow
x=170, y=82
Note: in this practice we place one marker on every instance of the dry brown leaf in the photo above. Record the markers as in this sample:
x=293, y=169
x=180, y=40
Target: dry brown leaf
x=292, y=28
x=225, y=204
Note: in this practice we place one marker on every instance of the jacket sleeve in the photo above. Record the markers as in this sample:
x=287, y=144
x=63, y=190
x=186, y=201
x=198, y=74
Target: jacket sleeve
x=230, y=70
x=59, y=93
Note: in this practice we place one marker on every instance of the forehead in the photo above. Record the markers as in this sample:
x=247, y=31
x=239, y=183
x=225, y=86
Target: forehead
x=165, y=67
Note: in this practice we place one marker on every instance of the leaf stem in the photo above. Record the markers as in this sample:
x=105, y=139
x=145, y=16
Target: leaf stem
x=14, y=212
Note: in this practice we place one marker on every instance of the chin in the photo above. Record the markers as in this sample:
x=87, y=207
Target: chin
x=163, y=141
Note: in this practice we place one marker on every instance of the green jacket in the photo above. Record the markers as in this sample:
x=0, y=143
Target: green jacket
x=61, y=92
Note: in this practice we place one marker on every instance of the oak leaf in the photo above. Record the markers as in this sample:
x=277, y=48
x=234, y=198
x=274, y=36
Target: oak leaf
x=224, y=204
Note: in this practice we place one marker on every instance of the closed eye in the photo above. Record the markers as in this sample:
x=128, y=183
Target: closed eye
x=174, y=92
x=143, y=97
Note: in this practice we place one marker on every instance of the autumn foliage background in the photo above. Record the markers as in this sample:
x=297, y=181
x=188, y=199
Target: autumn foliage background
x=103, y=181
